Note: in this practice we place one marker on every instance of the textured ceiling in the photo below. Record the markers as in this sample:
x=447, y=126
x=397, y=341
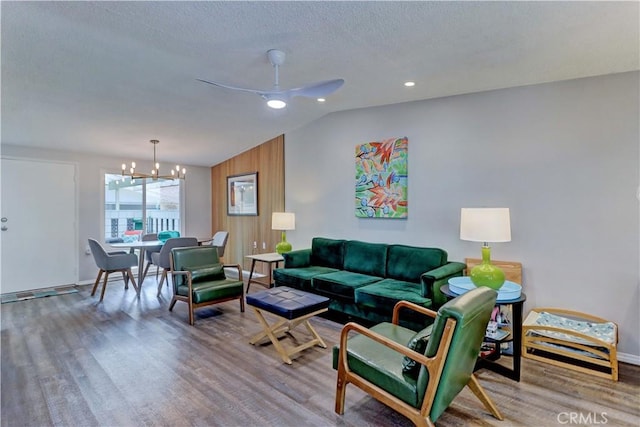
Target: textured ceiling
x=105, y=77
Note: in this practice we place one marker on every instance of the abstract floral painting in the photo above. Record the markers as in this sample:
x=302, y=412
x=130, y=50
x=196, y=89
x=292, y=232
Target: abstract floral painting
x=381, y=179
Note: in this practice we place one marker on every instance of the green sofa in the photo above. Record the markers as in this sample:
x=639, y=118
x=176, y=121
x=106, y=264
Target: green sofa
x=365, y=280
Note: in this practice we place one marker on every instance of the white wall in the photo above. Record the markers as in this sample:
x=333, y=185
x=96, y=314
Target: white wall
x=90, y=177
x=564, y=157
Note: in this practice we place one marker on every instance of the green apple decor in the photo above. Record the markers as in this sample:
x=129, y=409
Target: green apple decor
x=486, y=274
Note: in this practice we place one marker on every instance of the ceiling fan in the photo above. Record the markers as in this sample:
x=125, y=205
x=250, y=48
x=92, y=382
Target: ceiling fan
x=277, y=98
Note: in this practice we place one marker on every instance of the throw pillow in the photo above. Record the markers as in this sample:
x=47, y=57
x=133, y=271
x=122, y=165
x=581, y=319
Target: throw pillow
x=204, y=274
x=417, y=343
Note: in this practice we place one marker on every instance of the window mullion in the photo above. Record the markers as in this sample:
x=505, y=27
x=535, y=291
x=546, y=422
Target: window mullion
x=144, y=206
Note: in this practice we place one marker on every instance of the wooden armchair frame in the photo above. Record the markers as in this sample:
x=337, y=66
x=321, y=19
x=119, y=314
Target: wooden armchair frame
x=189, y=299
x=435, y=365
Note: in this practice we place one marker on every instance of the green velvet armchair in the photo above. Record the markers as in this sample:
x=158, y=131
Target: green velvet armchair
x=199, y=279
x=417, y=373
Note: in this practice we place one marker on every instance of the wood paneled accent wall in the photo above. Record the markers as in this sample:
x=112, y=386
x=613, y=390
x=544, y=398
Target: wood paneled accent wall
x=268, y=160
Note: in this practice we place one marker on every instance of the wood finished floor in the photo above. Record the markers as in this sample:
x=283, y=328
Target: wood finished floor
x=71, y=361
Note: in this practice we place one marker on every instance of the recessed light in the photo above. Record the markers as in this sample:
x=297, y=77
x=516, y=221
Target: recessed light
x=276, y=104
x=409, y=84
x=321, y=99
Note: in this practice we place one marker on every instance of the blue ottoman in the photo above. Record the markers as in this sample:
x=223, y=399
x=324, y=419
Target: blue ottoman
x=292, y=307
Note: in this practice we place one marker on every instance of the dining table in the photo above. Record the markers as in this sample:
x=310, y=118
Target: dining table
x=141, y=246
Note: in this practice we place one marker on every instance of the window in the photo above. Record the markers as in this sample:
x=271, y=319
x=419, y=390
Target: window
x=140, y=206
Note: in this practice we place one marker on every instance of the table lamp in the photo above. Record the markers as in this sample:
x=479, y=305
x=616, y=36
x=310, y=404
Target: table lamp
x=283, y=221
x=486, y=225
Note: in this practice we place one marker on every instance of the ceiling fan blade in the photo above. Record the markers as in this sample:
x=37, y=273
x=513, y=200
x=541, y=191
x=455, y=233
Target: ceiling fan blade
x=259, y=92
x=317, y=90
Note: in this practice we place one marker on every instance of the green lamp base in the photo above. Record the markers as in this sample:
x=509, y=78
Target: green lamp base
x=486, y=274
x=283, y=246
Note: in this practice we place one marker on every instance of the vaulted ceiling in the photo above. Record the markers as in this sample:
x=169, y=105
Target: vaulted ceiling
x=106, y=77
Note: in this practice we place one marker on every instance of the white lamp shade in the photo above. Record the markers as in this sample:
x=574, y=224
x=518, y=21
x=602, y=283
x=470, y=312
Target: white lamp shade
x=283, y=221
x=485, y=224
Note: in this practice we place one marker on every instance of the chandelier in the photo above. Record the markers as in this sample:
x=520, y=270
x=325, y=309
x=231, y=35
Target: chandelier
x=176, y=173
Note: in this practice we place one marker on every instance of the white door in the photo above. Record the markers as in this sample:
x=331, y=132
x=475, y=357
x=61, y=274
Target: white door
x=38, y=241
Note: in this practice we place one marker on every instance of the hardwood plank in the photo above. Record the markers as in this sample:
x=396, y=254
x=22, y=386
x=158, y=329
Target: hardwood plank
x=69, y=360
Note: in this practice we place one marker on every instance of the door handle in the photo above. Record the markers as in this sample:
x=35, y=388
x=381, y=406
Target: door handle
x=3, y=228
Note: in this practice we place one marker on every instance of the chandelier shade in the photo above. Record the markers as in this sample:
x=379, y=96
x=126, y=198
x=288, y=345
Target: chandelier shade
x=177, y=173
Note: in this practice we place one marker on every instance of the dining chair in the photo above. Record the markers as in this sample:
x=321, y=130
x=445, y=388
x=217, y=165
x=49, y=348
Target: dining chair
x=110, y=262
x=147, y=253
x=162, y=259
x=163, y=236
x=219, y=241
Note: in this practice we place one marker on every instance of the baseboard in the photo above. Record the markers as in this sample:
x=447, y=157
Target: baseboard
x=232, y=273
x=629, y=358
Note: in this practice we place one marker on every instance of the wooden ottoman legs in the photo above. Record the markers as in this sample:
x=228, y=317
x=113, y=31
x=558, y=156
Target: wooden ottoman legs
x=286, y=325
